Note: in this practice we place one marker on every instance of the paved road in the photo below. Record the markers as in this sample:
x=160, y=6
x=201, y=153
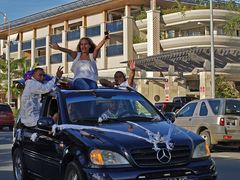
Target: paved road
x=6, y=172
x=227, y=160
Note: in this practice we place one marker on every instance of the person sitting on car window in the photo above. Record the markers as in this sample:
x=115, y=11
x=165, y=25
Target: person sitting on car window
x=30, y=100
x=120, y=79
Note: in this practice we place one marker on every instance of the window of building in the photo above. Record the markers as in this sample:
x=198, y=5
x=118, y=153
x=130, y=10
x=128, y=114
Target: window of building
x=75, y=26
x=58, y=30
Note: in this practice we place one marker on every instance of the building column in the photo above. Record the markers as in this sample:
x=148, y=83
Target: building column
x=104, y=62
x=48, y=49
x=127, y=34
x=153, y=35
x=33, y=47
x=83, y=28
x=205, y=84
x=19, y=55
x=65, y=45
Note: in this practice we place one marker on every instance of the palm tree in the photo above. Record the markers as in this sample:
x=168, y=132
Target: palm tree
x=18, y=68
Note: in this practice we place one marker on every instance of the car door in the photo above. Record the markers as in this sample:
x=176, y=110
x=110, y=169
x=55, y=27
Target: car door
x=185, y=116
x=201, y=117
x=49, y=148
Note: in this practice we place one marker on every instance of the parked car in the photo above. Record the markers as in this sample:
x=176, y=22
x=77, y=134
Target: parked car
x=6, y=117
x=107, y=134
x=177, y=103
x=216, y=120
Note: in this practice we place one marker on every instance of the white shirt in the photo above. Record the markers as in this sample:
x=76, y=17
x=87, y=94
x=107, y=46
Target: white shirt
x=85, y=68
x=125, y=84
x=30, y=100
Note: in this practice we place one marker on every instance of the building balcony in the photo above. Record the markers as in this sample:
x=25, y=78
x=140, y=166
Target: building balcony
x=190, y=17
x=41, y=42
x=93, y=31
x=56, y=58
x=114, y=50
x=26, y=45
x=56, y=38
x=201, y=15
x=199, y=41
x=41, y=60
x=115, y=26
x=13, y=48
x=73, y=35
x=142, y=24
x=140, y=48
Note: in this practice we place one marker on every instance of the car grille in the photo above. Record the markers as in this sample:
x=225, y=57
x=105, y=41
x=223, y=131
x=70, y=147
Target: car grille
x=148, y=157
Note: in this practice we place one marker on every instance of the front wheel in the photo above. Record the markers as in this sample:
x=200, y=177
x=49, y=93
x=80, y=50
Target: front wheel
x=73, y=172
x=206, y=135
x=19, y=169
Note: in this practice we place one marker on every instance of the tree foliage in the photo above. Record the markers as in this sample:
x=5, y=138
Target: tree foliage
x=225, y=89
x=18, y=68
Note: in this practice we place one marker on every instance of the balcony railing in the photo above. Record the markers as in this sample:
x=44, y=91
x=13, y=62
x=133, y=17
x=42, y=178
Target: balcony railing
x=56, y=38
x=26, y=45
x=41, y=42
x=56, y=58
x=115, y=26
x=73, y=35
x=13, y=48
x=41, y=60
x=93, y=31
x=114, y=50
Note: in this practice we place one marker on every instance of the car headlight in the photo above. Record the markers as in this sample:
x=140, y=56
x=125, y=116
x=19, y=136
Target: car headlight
x=201, y=150
x=105, y=157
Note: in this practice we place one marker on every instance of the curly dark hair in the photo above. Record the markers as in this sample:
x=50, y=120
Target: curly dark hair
x=92, y=45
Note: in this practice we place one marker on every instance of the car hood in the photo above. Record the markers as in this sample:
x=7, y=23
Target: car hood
x=133, y=135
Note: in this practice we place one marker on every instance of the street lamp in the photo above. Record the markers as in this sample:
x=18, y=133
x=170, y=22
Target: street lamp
x=212, y=50
x=7, y=55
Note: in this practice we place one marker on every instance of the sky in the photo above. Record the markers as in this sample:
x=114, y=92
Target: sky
x=15, y=9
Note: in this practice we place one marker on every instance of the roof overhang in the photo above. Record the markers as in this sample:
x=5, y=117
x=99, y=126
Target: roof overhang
x=188, y=59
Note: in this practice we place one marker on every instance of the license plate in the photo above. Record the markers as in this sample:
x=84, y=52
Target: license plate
x=175, y=178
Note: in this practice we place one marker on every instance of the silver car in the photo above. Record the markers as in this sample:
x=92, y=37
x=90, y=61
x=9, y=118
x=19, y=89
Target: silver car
x=216, y=120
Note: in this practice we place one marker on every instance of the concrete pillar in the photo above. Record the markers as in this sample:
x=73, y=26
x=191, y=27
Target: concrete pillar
x=65, y=45
x=83, y=28
x=48, y=49
x=205, y=84
x=103, y=60
x=33, y=48
x=19, y=56
x=127, y=34
x=153, y=35
x=207, y=31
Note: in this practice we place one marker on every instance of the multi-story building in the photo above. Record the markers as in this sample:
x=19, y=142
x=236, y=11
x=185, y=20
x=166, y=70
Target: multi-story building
x=173, y=49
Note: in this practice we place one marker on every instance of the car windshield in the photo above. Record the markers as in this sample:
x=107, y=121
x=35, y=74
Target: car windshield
x=119, y=107
x=232, y=107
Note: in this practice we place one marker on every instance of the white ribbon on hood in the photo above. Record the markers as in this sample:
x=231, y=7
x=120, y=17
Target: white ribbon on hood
x=152, y=137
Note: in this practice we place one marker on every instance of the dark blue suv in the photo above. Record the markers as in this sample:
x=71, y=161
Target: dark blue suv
x=107, y=134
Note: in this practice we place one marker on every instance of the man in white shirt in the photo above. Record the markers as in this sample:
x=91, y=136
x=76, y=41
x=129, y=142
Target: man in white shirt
x=31, y=97
x=120, y=78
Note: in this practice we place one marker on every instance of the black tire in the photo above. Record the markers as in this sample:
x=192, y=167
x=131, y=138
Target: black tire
x=73, y=172
x=206, y=135
x=19, y=170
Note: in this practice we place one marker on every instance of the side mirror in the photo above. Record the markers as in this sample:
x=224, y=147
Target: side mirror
x=170, y=116
x=45, y=123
